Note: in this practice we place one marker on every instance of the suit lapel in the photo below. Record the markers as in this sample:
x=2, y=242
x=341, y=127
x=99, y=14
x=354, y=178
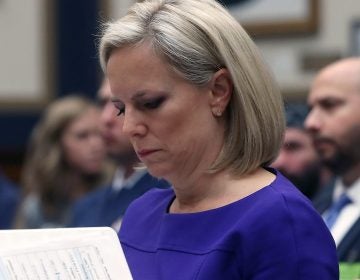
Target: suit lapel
x=324, y=199
x=349, y=247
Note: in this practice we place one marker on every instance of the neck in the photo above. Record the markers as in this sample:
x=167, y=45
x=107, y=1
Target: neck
x=193, y=194
x=211, y=191
x=351, y=175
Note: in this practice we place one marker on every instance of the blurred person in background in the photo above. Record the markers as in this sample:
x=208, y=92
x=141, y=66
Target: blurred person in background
x=298, y=159
x=9, y=199
x=65, y=160
x=106, y=206
x=334, y=123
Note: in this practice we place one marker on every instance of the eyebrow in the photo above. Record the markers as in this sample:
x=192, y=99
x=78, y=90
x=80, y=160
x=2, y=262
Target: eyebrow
x=138, y=95
x=135, y=96
x=114, y=99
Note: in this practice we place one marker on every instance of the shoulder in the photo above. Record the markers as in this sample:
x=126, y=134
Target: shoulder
x=288, y=207
x=323, y=198
x=9, y=201
x=285, y=228
x=92, y=197
x=286, y=196
x=279, y=198
x=8, y=190
x=31, y=212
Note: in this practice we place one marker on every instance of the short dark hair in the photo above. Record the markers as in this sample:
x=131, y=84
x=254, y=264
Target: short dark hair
x=296, y=113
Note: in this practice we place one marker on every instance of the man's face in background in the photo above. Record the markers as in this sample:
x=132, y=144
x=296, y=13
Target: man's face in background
x=334, y=119
x=299, y=161
x=117, y=143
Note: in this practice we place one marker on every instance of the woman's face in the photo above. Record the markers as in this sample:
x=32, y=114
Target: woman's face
x=82, y=144
x=169, y=121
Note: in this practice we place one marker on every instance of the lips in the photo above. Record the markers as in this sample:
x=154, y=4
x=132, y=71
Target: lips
x=321, y=142
x=108, y=138
x=145, y=152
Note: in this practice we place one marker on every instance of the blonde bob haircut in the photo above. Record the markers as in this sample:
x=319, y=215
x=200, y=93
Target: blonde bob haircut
x=198, y=38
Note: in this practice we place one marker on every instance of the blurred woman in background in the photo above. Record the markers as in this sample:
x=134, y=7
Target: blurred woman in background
x=65, y=160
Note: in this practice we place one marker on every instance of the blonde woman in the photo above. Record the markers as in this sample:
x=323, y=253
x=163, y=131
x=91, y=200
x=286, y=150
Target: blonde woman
x=202, y=112
x=66, y=159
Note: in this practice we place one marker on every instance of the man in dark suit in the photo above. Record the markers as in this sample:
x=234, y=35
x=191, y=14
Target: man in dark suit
x=107, y=205
x=9, y=199
x=334, y=122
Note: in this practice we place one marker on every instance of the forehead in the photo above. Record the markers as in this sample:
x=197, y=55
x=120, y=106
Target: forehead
x=131, y=58
x=294, y=133
x=105, y=90
x=138, y=68
x=335, y=82
x=86, y=119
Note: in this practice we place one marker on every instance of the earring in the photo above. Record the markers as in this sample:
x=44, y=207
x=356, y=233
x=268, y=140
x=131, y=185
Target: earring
x=218, y=112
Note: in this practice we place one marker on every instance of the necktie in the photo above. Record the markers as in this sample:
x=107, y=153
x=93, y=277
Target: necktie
x=335, y=210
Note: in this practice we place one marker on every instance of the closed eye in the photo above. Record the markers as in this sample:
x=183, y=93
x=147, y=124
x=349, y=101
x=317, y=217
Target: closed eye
x=154, y=103
x=330, y=103
x=120, y=111
x=292, y=146
x=120, y=107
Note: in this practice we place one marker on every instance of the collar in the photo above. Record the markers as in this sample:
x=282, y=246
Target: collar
x=120, y=182
x=353, y=191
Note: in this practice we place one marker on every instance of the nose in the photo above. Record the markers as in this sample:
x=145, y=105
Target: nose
x=280, y=161
x=108, y=113
x=96, y=142
x=313, y=121
x=133, y=124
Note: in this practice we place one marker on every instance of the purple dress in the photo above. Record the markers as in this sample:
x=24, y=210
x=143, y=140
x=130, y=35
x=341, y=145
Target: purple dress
x=274, y=233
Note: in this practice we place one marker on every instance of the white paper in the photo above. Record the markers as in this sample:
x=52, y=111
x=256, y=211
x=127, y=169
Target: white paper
x=62, y=254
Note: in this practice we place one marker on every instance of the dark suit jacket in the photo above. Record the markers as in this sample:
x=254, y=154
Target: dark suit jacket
x=349, y=248
x=9, y=199
x=104, y=206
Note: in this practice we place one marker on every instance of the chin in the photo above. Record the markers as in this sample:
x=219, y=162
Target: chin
x=328, y=157
x=157, y=171
x=94, y=169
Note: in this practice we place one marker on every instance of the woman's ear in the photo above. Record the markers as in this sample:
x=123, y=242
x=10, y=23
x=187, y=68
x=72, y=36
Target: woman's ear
x=221, y=91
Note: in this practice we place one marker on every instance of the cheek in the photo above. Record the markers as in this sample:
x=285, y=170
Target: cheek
x=340, y=132
x=73, y=160
x=183, y=123
x=80, y=159
x=344, y=122
x=296, y=161
x=172, y=126
x=351, y=137
x=305, y=161
x=308, y=153
x=75, y=151
x=71, y=147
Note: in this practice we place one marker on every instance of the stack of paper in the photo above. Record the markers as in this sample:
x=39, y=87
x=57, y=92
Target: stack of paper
x=63, y=253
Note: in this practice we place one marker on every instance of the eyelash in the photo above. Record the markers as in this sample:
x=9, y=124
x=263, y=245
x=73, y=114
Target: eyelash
x=121, y=111
x=330, y=104
x=150, y=105
x=154, y=104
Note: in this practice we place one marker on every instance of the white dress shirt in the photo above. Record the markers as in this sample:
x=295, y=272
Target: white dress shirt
x=350, y=213
x=120, y=182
